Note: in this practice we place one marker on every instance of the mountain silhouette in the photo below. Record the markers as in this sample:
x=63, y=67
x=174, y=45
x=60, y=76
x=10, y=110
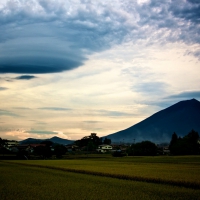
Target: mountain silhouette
x=181, y=118
x=58, y=140
x=54, y=139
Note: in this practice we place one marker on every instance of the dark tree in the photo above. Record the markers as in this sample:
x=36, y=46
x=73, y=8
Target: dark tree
x=173, y=143
x=89, y=142
x=192, y=142
x=174, y=138
x=145, y=148
x=43, y=151
x=4, y=151
x=1, y=142
x=22, y=155
x=48, y=143
x=187, y=145
x=192, y=136
x=107, y=141
x=59, y=150
x=118, y=154
x=91, y=146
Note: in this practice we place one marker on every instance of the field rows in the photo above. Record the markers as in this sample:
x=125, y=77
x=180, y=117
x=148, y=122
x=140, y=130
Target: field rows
x=183, y=173
x=29, y=182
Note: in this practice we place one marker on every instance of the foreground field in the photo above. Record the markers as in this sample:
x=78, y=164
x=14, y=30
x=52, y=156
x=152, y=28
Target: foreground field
x=52, y=179
x=183, y=169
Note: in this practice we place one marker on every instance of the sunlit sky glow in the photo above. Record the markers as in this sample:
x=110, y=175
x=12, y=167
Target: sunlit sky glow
x=70, y=68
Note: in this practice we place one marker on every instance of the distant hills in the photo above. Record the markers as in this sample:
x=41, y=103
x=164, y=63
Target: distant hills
x=54, y=139
x=181, y=118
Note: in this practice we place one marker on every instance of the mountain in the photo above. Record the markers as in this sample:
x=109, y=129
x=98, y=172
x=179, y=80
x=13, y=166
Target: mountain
x=58, y=140
x=181, y=118
x=53, y=139
x=31, y=141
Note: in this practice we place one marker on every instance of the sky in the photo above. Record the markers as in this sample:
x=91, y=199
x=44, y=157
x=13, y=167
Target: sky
x=71, y=68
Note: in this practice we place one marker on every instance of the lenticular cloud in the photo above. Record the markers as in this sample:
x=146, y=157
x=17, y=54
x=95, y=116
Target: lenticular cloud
x=40, y=36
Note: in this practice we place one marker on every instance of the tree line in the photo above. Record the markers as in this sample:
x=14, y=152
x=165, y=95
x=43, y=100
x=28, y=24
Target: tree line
x=187, y=145
x=91, y=142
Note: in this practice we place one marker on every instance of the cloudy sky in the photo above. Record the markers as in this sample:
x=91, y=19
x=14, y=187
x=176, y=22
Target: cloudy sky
x=69, y=68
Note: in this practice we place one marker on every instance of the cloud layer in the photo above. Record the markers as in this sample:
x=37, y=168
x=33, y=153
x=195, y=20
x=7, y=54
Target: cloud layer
x=25, y=77
x=186, y=95
x=82, y=66
x=41, y=36
x=3, y=88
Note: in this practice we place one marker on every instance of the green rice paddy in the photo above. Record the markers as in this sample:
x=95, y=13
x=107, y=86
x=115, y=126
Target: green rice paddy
x=102, y=178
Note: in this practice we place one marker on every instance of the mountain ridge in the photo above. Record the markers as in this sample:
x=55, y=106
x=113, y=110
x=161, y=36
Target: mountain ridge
x=54, y=139
x=181, y=118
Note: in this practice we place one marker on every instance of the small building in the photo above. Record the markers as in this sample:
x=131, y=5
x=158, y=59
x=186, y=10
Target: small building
x=11, y=143
x=72, y=147
x=29, y=147
x=104, y=148
x=166, y=150
x=163, y=149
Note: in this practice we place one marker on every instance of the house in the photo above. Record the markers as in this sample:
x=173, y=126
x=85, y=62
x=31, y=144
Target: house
x=72, y=147
x=11, y=143
x=163, y=149
x=27, y=147
x=166, y=150
x=104, y=148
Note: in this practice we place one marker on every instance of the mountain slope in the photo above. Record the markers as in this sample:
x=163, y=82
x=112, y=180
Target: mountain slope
x=181, y=118
x=58, y=140
x=53, y=139
x=31, y=141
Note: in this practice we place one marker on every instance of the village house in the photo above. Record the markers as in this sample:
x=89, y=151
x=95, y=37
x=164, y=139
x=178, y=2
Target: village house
x=72, y=147
x=27, y=147
x=104, y=148
x=11, y=143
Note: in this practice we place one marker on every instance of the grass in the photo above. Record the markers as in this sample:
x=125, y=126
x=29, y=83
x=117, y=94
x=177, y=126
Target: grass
x=30, y=182
x=180, y=171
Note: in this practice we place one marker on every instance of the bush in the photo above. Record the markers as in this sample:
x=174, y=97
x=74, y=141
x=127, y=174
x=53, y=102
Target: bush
x=145, y=148
x=118, y=154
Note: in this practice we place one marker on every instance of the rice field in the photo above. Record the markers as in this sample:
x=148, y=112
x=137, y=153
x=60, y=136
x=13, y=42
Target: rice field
x=115, y=178
x=183, y=169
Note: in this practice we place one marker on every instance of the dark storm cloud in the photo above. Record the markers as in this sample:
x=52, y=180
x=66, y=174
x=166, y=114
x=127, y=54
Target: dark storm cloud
x=36, y=65
x=25, y=77
x=194, y=1
x=54, y=36
x=51, y=41
x=166, y=21
x=189, y=11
